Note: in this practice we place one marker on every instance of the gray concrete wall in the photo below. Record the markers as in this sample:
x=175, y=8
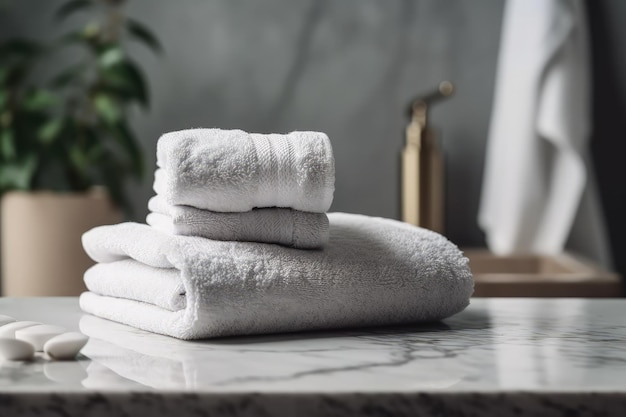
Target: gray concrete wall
x=349, y=68
x=346, y=67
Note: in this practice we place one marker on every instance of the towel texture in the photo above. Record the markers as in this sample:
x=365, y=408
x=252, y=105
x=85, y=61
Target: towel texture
x=287, y=227
x=137, y=281
x=234, y=171
x=372, y=272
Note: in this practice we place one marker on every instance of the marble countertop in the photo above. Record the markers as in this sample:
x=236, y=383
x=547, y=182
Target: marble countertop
x=499, y=357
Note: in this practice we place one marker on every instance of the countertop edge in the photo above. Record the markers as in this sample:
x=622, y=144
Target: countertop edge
x=182, y=403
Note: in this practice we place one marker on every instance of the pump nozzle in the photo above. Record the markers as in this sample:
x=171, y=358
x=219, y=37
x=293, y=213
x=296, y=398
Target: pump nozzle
x=418, y=110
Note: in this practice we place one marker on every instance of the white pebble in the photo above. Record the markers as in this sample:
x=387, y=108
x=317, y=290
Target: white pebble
x=8, y=330
x=65, y=346
x=6, y=320
x=16, y=350
x=39, y=335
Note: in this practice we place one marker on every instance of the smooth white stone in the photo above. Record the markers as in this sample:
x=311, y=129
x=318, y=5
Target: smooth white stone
x=65, y=346
x=39, y=335
x=8, y=330
x=6, y=320
x=16, y=350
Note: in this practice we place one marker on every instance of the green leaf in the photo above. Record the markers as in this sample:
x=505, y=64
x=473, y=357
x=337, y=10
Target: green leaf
x=126, y=77
x=70, y=38
x=4, y=73
x=130, y=144
x=6, y=118
x=86, y=37
x=138, y=80
x=91, y=31
x=78, y=159
x=107, y=108
x=17, y=73
x=19, y=47
x=19, y=174
x=143, y=34
x=68, y=76
x=71, y=7
x=95, y=151
x=110, y=57
x=7, y=144
x=39, y=100
x=4, y=96
x=49, y=132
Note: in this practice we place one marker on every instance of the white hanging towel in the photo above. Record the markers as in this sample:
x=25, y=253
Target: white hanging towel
x=535, y=172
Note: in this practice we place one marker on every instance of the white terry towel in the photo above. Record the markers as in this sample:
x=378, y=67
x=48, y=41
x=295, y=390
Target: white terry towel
x=287, y=227
x=535, y=172
x=232, y=170
x=373, y=271
x=134, y=280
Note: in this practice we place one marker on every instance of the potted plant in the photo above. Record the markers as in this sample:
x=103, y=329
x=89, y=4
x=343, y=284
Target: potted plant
x=66, y=147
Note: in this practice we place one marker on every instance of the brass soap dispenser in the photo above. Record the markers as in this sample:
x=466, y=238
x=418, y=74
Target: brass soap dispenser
x=422, y=166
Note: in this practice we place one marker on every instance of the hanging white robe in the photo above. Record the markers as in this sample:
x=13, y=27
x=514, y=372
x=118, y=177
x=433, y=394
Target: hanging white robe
x=536, y=168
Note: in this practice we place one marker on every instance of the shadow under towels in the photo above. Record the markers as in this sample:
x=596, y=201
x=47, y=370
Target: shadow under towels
x=373, y=271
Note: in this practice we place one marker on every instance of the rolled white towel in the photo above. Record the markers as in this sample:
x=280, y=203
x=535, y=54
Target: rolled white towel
x=286, y=227
x=235, y=171
x=372, y=272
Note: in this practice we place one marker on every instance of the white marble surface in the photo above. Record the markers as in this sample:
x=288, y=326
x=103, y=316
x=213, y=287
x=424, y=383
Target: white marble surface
x=498, y=357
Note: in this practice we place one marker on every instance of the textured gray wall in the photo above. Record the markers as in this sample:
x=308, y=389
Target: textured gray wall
x=349, y=68
x=345, y=67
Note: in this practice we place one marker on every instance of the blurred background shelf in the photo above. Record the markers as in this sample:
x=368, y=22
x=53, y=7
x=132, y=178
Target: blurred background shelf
x=522, y=275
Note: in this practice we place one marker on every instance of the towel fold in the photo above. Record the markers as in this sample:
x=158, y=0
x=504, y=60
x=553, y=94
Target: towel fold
x=373, y=271
x=136, y=281
x=236, y=171
x=287, y=227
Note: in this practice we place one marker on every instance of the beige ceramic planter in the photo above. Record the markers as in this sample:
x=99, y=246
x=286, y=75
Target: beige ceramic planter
x=42, y=253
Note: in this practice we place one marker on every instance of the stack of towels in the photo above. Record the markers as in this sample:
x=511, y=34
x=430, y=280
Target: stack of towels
x=232, y=185
x=238, y=242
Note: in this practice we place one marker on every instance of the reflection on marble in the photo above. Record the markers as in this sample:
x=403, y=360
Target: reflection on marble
x=499, y=357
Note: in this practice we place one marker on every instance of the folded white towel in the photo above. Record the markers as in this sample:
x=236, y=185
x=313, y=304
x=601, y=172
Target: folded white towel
x=373, y=271
x=137, y=281
x=287, y=227
x=231, y=170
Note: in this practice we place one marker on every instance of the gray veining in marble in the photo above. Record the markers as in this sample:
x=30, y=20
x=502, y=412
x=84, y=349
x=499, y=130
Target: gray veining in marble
x=499, y=357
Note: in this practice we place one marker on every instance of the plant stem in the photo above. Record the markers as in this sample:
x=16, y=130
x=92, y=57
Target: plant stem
x=113, y=21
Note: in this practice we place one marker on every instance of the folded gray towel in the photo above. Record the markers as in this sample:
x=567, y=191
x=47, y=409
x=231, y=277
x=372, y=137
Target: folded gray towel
x=288, y=227
x=373, y=271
